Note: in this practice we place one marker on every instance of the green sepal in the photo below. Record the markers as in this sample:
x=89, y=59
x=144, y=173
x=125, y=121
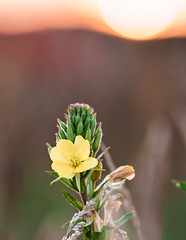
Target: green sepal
x=61, y=132
x=70, y=124
x=62, y=125
x=97, y=140
x=70, y=134
x=49, y=147
x=179, y=184
x=98, y=190
x=123, y=219
x=77, y=119
x=79, y=127
x=87, y=121
x=93, y=124
x=57, y=137
x=88, y=135
x=72, y=201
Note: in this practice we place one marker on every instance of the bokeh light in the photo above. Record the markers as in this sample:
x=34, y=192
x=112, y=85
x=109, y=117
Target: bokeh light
x=137, y=19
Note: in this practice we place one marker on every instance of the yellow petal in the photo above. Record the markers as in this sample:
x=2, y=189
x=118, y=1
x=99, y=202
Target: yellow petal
x=58, y=156
x=67, y=148
x=86, y=165
x=82, y=148
x=64, y=170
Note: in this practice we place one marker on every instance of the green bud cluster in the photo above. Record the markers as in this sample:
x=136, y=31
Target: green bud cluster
x=81, y=120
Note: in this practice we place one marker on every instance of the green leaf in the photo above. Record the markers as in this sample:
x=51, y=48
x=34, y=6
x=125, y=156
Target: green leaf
x=67, y=182
x=56, y=180
x=101, y=205
x=103, y=153
x=123, y=219
x=68, y=223
x=97, y=204
x=87, y=232
x=96, y=235
x=98, y=190
x=72, y=201
x=179, y=184
x=88, y=176
x=77, y=177
x=103, y=235
x=106, y=227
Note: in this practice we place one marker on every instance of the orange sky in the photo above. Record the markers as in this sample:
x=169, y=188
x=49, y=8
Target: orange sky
x=18, y=16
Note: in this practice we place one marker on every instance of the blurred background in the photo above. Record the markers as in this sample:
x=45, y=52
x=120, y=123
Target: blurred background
x=61, y=52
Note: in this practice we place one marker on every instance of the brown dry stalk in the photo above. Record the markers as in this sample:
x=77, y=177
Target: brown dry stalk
x=127, y=203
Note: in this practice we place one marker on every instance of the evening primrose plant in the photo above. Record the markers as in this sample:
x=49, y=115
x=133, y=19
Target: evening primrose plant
x=77, y=165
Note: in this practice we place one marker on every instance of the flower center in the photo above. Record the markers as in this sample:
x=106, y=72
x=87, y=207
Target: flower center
x=75, y=162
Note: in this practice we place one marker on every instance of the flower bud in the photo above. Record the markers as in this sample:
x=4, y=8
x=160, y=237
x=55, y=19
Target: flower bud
x=61, y=132
x=87, y=121
x=96, y=175
x=77, y=119
x=88, y=134
x=97, y=140
x=123, y=172
x=79, y=128
x=70, y=134
x=93, y=124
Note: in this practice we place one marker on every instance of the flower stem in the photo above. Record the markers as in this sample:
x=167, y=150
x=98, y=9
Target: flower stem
x=83, y=195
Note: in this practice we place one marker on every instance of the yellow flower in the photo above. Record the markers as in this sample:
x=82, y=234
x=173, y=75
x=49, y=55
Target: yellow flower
x=69, y=159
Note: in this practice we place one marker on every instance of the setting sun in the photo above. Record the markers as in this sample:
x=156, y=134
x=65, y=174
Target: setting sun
x=137, y=19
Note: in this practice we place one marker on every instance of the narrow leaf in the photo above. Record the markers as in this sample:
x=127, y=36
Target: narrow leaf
x=77, y=176
x=98, y=190
x=56, y=180
x=67, y=182
x=72, y=201
x=88, y=177
x=101, y=205
x=103, y=153
x=123, y=219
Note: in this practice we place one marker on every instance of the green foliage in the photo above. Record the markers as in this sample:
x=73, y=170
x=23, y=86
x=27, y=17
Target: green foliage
x=78, y=183
x=98, y=190
x=123, y=219
x=104, y=234
x=68, y=182
x=179, y=184
x=87, y=233
x=72, y=201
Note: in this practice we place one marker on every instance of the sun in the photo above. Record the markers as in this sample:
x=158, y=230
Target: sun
x=137, y=19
